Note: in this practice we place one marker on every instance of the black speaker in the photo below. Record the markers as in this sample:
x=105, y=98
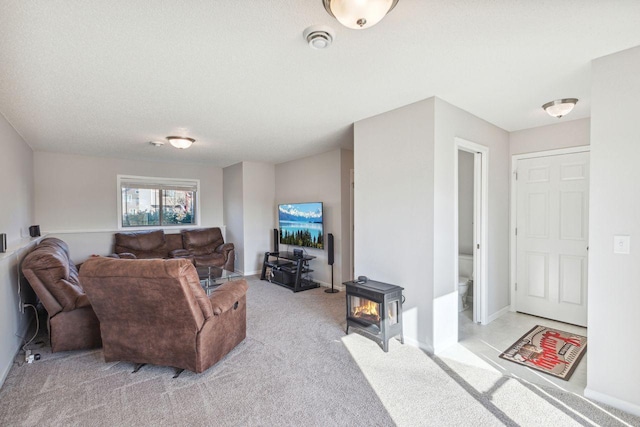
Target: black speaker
x=330, y=248
x=330, y=261
x=276, y=240
x=34, y=231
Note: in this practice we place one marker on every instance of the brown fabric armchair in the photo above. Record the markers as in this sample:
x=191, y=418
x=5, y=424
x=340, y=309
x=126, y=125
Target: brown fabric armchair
x=208, y=248
x=72, y=322
x=155, y=311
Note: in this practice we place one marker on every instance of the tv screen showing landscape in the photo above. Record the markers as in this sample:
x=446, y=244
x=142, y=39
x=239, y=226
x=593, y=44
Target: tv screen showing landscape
x=301, y=224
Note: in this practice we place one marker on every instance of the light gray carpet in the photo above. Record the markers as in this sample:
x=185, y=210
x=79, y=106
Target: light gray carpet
x=296, y=367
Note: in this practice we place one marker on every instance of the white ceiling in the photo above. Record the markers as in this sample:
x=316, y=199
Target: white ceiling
x=105, y=77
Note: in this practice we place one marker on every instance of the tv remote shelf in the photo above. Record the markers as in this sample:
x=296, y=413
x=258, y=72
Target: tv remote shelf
x=288, y=270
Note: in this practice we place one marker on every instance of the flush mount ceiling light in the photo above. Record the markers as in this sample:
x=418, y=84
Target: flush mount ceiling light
x=319, y=36
x=181, y=142
x=560, y=107
x=359, y=14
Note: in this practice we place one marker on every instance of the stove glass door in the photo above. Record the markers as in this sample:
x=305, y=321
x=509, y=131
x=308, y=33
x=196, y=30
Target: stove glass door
x=365, y=310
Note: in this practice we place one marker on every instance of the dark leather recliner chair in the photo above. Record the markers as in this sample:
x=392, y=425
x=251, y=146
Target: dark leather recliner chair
x=72, y=323
x=155, y=311
x=208, y=248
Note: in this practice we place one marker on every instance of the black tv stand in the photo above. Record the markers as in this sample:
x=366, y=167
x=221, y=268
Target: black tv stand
x=288, y=270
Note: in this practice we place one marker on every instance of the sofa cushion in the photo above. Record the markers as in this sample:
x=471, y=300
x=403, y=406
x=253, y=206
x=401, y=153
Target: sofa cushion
x=143, y=244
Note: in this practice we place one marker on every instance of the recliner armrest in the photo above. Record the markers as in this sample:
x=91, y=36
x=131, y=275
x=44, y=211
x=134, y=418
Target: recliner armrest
x=226, y=295
x=224, y=249
x=123, y=255
x=179, y=253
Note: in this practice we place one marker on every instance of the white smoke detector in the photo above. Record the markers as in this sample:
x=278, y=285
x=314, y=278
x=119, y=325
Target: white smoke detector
x=157, y=143
x=319, y=36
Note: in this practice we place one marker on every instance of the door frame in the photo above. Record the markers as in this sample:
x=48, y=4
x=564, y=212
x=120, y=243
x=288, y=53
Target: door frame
x=513, y=211
x=480, y=226
x=351, y=224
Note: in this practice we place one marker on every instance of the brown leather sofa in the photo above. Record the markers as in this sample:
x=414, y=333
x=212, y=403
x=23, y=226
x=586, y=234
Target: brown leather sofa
x=155, y=311
x=204, y=247
x=149, y=244
x=72, y=322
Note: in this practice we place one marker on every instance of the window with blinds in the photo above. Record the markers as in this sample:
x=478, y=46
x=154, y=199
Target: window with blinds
x=157, y=202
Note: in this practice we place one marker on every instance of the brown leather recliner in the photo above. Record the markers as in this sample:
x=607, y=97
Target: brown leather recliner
x=72, y=323
x=208, y=248
x=155, y=311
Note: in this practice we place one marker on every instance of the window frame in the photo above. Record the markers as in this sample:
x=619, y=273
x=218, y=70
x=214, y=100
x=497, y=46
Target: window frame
x=159, y=181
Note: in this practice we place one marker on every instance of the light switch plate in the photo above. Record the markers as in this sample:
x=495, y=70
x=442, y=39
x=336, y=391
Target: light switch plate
x=621, y=244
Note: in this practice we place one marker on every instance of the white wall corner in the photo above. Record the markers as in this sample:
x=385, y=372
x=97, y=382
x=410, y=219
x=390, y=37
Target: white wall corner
x=445, y=321
x=419, y=344
x=498, y=314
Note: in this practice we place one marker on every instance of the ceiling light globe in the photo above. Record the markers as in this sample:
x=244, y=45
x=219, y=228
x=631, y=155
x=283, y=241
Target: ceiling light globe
x=360, y=14
x=180, y=142
x=560, y=107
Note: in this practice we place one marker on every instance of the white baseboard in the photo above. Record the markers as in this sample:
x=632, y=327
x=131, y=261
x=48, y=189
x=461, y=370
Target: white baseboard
x=498, y=314
x=250, y=273
x=612, y=401
x=340, y=287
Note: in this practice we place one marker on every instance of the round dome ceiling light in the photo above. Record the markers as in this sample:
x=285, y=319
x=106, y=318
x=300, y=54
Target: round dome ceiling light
x=560, y=107
x=181, y=142
x=359, y=14
x=319, y=36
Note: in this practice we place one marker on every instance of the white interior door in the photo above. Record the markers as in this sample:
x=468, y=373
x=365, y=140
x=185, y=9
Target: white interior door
x=551, y=244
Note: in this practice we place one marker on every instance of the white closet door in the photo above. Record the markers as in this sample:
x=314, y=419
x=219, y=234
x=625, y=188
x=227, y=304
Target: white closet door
x=552, y=242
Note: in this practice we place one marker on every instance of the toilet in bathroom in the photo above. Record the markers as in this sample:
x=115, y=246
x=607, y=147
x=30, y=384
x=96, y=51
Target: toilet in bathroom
x=465, y=279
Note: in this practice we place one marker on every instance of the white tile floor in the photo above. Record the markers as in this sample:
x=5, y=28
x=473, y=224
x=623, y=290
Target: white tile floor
x=487, y=342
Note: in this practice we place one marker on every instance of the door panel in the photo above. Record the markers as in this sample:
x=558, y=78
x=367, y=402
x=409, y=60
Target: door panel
x=537, y=267
x=551, y=246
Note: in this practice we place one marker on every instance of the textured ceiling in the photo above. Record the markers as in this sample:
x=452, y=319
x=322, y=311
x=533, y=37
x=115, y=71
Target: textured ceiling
x=105, y=77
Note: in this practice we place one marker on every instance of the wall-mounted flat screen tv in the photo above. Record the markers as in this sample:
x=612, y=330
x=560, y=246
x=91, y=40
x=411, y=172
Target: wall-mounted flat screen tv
x=301, y=224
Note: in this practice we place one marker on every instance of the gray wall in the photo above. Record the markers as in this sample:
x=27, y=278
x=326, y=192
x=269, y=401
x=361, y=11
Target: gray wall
x=318, y=178
x=405, y=197
x=614, y=318
x=76, y=196
x=394, y=202
x=233, y=211
x=346, y=166
x=453, y=122
x=563, y=134
x=16, y=215
x=249, y=192
x=259, y=213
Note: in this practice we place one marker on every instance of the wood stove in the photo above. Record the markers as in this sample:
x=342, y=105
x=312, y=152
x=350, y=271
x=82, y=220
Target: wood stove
x=374, y=309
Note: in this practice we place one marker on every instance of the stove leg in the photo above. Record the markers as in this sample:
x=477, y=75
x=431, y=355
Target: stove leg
x=347, y=331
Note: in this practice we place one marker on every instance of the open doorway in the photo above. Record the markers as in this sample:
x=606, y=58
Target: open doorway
x=471, y=241
x=466, y=240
